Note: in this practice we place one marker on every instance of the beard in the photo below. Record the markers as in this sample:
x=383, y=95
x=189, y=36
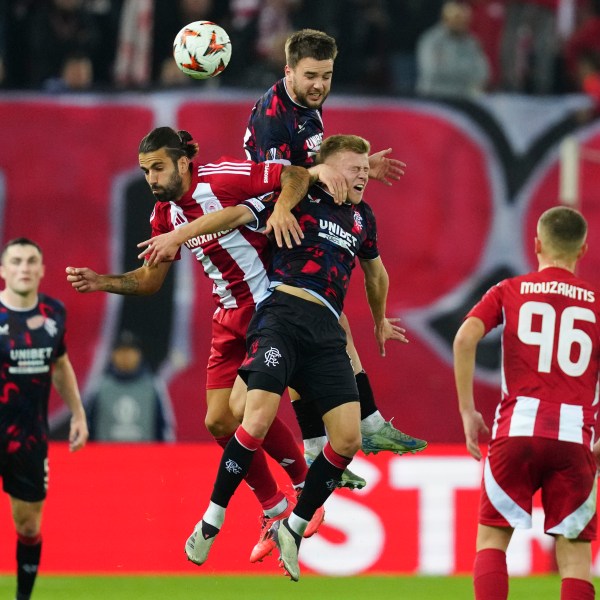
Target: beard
x=302, y=98
x=172, y=191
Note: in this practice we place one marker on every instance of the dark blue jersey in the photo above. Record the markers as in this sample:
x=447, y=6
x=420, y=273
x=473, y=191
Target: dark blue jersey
x=30, y=342
x=279, y=128
x=333, y=237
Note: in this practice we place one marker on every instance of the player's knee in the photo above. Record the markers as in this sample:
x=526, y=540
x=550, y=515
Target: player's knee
x=347, y=445
x=220, y=426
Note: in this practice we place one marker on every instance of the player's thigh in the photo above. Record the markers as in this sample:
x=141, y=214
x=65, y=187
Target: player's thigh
x=261, y=409
x=573, y=557
x=350, y=346
x=343, y=428
x=237, y=399
x=27, y=516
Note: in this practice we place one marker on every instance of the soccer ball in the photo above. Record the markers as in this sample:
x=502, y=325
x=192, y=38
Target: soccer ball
x=202, y=49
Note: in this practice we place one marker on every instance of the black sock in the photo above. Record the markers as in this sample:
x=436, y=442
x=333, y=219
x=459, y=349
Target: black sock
x=321, y=481
x=234, y=466
x=365, y=394
x=309, y=419
x=28, y=561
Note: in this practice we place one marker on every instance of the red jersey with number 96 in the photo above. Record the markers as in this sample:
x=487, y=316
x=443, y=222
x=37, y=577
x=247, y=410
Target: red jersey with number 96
x=550, y=354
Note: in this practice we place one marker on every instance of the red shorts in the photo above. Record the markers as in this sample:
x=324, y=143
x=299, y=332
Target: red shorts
x=228, y=346
x=565, y=472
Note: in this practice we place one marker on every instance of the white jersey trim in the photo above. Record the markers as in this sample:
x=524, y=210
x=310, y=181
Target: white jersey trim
x=522, y=422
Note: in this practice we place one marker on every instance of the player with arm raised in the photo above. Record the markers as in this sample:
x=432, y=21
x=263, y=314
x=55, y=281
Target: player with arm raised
x=295, y=339
x=543, y=433
x=234, y=258
x=286, y=124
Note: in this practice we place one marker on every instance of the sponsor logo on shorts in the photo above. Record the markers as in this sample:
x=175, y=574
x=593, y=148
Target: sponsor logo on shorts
x=271, y=357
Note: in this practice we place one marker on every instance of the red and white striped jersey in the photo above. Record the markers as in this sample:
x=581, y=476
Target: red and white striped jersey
x=550, y=354
x=236, y=259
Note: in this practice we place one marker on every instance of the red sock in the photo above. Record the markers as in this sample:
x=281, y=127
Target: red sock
x=576, y=589
x=259, y=477
x=280, y=443
x=337, y=460
x=490, y=575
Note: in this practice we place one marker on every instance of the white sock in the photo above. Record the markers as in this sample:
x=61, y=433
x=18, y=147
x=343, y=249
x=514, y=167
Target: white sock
x=297, y=524
x=315, y=445
x=277, y=509
x=372, y=424
x=214, y=515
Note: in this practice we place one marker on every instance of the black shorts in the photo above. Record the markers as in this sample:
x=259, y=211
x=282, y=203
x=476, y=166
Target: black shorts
x=302, y=345
x=24, y=472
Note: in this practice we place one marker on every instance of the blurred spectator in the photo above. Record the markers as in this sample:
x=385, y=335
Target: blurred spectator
x=59, y=28
x=272, y=24
x=77, y=74
x=450, y=60
x=408, y=20
x=129, y=404
x=487, y=25
x=585, y=40
x=134, y=44
x=588, y=69
x=529, y=46
x=17, y=16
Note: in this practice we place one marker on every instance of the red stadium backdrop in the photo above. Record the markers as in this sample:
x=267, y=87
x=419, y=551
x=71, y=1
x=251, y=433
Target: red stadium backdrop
x=136, y=505
x=463, y=216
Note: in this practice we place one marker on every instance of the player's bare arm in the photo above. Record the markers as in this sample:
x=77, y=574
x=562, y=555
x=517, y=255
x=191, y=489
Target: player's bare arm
x=65, y=382
x=164, y=247
x=144, y=281
x=294, y=187
x=384, y=169
x=465, y=348
x=376, y=288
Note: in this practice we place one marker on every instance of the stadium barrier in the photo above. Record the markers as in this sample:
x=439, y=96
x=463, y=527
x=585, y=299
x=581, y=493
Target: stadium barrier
x=135, y=505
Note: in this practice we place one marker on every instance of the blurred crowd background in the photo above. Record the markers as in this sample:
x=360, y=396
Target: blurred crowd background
x=393, y=47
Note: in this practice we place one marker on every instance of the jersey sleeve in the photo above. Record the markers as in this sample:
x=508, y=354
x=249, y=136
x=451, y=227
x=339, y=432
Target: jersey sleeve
x=161, y=224
x=489, y=308
x=368, y=249
x=271, y=139
x=246, y=179
x=261, y=208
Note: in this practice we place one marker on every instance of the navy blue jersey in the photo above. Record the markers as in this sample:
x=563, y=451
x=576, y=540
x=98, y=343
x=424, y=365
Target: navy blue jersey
x=279, y=128
x=333, y=237
x=30, y=342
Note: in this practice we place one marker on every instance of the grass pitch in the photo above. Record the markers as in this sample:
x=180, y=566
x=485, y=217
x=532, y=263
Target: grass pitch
x=153, y=587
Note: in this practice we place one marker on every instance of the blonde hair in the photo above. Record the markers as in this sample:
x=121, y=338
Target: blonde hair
x=340, y=143
x=562, y=230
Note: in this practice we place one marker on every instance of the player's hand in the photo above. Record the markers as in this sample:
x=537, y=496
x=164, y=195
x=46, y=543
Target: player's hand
x=78, y=433
x=83, y=279
x=473, y=425
x=385, y=169
x=162, y=248
x=284, y=226
x=388, y=330
x=334, y=181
